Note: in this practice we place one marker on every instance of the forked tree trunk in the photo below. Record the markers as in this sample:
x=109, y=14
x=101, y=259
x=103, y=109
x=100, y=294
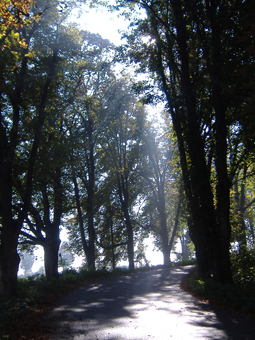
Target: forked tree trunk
x=88, y=247
x=164, y=237
x=9, y=258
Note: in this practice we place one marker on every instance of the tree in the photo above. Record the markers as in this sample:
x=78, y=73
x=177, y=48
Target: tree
x=242, y=207
x=21, y=106
x=121, y=154
x=49, y=201
x=27, y=261
x=89, y=116
x=11, y=221
x=189, y=55
x=160, y=189
x=14, y=15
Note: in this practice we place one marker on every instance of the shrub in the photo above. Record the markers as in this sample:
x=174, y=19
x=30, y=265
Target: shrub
x=243, y=269
x=239, y=296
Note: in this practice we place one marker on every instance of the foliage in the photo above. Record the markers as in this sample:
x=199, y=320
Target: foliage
x=181, y=44
x=61, y=102
x=14, y=16
x=243, y=269
x=161, y=182
x=239, y=296
x=21, y=317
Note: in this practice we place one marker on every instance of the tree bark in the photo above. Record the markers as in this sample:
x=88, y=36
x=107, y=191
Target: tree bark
x=124, y=197
x=9, y=260
x=240, y=211
x=52, y=241
x=51, y=248
x=164, y=236
x=222, y=266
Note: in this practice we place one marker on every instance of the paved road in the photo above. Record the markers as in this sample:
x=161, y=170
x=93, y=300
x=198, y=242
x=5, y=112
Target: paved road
x=144, y=305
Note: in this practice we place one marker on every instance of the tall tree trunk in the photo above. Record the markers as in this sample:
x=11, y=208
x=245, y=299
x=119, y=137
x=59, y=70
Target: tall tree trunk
x=221, y=265
x=112, y=240
x=164, y=236
x=240, y=211
x=130, y=243
x=79, y=213
x=91, y=259
x=51, y=248
x=124, y=197
x=87, y=248
x=176, y=223
x=52, y=241
x=9, y=261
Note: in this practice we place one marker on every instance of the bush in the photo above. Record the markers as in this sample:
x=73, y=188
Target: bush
x=243, y=269
x=239, y=296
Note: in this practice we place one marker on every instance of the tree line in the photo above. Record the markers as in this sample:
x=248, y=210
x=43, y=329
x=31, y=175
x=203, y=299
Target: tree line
x=77, y=147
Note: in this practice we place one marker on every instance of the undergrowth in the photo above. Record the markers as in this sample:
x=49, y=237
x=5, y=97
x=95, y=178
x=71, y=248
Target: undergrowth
x=240, y=296
x=20, y=317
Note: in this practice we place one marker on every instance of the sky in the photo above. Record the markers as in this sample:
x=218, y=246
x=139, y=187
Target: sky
x=102, y=22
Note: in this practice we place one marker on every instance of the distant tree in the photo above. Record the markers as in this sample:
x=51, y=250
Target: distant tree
x=121, y=154
x=66, y=257
x=242, y=207
x=160, y=189
x=87, y=119
x=27, y=261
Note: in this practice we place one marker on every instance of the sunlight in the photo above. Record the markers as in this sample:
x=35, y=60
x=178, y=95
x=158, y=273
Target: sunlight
x=100, y=21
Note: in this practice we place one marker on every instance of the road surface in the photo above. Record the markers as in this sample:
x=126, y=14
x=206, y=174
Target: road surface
x=143, y=305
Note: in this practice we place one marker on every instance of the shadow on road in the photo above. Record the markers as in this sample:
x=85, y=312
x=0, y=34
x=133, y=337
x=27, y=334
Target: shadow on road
x=142, y=305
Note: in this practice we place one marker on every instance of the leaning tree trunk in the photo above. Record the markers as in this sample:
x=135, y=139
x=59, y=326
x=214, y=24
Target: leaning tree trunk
x=164, y=236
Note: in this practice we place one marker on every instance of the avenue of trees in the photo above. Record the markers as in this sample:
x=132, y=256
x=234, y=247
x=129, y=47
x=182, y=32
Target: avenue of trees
x=78, y=150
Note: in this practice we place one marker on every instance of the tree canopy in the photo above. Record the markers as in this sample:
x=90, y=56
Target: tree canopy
x=79, y=150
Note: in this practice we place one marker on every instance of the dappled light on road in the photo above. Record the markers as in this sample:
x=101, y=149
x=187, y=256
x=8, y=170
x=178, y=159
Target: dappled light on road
x=143, y=305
